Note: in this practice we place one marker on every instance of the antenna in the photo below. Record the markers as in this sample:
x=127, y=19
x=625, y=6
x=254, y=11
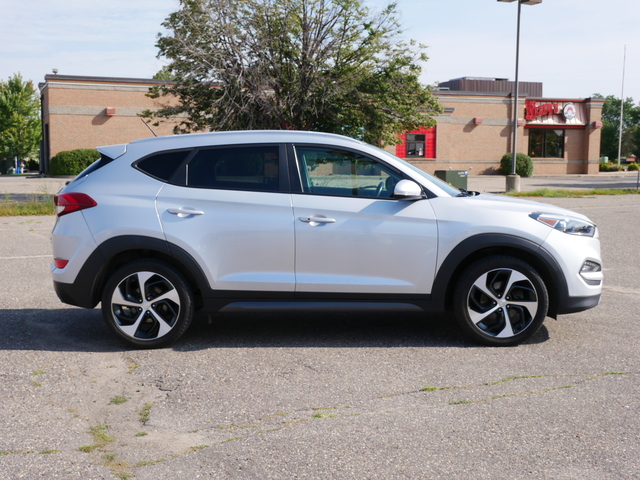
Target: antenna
x=150, y=129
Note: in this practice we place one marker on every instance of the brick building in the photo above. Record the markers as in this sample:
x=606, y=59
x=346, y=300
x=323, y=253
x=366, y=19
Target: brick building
x=561, y=135
x=87, y=112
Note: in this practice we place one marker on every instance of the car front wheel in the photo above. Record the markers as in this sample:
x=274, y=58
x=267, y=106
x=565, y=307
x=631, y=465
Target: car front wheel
x=500, y=301
x=147, y=304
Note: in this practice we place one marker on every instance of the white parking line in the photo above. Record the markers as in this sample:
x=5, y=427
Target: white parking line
x=25, y=256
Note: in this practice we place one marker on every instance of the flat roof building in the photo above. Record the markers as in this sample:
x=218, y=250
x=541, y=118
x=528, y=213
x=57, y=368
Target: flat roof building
x=562, y=135
x=87, y=112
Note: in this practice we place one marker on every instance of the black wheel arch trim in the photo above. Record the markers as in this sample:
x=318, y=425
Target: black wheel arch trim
x=86, y=290
x=477, y=246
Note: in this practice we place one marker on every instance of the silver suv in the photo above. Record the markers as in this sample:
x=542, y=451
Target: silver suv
x=163, y=227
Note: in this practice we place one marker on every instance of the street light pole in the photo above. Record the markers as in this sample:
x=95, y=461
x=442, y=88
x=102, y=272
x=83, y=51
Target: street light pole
x=624, y=62
x=513, y=180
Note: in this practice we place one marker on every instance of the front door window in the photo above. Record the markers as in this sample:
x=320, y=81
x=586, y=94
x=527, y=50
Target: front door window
x=327, y=171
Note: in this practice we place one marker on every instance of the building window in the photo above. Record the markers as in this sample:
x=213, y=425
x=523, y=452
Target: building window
x=544, y=142
x=415, y=145
x=420, y=143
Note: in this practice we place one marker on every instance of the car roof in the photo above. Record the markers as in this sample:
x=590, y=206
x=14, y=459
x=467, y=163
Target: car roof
x=146, y=146
x=239, y=137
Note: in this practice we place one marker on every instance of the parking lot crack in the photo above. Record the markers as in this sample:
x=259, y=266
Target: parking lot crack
x=576, y=381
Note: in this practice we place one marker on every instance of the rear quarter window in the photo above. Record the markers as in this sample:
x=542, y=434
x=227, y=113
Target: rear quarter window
x=162, y=165
x=101, y=162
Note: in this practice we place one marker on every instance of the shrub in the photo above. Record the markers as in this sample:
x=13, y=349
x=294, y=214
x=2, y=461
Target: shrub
x=633, y=166
x=33, y=165
x=72, y=162
x=610, y=167
x=524, y=164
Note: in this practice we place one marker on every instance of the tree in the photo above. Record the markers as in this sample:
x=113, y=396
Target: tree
x=611, y=127
x=324, y=65
x=20, y=126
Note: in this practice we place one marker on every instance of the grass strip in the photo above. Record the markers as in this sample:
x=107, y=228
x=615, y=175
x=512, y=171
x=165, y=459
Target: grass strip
x=32, y=207
x=574, y=193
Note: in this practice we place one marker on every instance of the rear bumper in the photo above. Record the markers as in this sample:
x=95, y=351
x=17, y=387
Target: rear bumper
x=73, y=294
x=82, y=292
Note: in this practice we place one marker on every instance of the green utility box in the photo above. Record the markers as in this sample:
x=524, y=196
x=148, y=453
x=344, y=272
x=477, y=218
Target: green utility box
x=457, y=178
x=5, y=165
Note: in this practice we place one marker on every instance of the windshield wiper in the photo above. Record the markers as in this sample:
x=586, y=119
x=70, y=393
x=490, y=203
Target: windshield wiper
x=467, y=193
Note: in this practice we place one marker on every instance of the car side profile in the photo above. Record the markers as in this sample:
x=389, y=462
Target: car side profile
x=160, y=228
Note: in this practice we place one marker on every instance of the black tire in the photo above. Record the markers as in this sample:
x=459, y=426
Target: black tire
x=500, y=301
x=156, y=319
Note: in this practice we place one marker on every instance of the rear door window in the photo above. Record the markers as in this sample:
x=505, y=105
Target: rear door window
x=255, y=168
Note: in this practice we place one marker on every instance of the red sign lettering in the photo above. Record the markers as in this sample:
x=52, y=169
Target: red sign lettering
x=533, y=110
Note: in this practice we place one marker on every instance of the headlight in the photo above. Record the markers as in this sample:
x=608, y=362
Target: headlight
x=572, y=226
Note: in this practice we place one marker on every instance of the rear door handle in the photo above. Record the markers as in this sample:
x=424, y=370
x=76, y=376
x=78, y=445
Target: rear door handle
x=317, y=220
x=184, y=211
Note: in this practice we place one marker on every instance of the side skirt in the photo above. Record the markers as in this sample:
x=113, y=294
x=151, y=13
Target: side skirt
x=271, y=301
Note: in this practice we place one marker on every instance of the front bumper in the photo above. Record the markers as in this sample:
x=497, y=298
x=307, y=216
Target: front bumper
x=577, y=304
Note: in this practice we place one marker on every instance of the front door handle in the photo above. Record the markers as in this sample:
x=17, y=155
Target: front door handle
x=184, y=211
x=317, y=220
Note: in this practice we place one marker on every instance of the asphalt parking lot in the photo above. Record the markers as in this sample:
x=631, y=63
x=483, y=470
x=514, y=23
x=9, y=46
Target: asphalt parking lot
x=331, y=396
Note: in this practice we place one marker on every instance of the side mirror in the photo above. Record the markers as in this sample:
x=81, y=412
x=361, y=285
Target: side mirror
x=407, y=190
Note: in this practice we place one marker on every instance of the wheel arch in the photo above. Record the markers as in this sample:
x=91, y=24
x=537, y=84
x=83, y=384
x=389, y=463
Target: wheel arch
x=479, y=246
x=118, y=251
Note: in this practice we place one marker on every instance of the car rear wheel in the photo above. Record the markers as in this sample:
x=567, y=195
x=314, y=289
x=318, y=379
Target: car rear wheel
x=147, y=304
x=500, y=301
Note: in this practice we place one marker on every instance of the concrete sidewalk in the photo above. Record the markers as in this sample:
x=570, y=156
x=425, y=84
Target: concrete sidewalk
x=21, y=187
x=497, y=183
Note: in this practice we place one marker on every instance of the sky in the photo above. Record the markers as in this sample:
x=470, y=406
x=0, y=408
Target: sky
x=574, y=47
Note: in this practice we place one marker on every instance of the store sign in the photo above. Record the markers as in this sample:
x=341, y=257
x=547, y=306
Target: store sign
x=533, y=110
x=569, y=111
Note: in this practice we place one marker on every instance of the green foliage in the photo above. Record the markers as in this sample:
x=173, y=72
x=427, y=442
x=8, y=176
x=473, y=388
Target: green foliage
x=100, y=438
x=72, y=162
x=610, y=134
x=609, y=167
x=163, y=74
x=633, y=167
x=35, y=205
x=524, y=164
x=145, y=412
x=323, y=65
x=20, y=126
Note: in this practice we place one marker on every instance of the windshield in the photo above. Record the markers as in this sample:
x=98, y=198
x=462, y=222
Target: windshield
x=450, y=189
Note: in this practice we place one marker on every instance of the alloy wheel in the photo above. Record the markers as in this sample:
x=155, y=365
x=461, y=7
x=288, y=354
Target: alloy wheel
x=145, y=306
x=502, y=303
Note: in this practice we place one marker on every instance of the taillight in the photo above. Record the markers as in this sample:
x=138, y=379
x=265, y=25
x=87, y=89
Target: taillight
x=72, y=202
x=59, y=263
